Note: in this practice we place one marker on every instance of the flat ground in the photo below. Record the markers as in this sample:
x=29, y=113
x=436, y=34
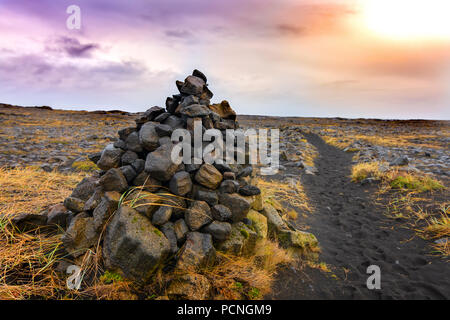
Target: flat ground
x=393, y=215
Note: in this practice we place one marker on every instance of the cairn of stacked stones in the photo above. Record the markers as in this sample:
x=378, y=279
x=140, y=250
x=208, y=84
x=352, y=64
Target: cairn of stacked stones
x=143, y=210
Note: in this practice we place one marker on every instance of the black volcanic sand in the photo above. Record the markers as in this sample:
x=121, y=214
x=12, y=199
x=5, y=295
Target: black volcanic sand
x=354, y=233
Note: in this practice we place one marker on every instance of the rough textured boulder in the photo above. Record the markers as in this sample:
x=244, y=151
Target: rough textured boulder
x=169, y=231
x=74, y=204
x=242, y=240
x=85, y=188
x=181, y=229
x=159, y=164
x=146, y=181
x=208, y=176
x=148, y=136
x=297, y=239
x=259, y=223
x=274, y=221
x=114, y=180
x=81, y=235
x=181, y=183
x=224, y=110
x=107, y=206
x=193, y=85
x=59, y=215
x=220, y=231
x=198, y=215
x=134, y=245
x=29, y=221
x=161, y=215
x=238, y=205
x=198, y=250
x=110, y=157
x=221, y=213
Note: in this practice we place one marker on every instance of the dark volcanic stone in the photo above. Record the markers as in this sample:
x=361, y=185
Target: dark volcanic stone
x=195, y=110
x=208, y=196
x=249, y=190
x=208, y=176
x=174, y=122
x=198, y=250
x=94, y=200
x=199, y=74
x=149, y=115
x=148, y=136
x=133, y=142
x=120, y=144
x=181, y=229
x=198, y=215
x=163, y=130
x=238, y=205
x=193, y=85
x=80, y=235
x=110, y=157
x=129, y=157
x=138, y=165
x=169, y=231
x=162, y=117
x=59, y=215
x=124, y=133
x=128, y=172
x=221, y=213
x=162, y=215
x=95, y=157
x=181, y=183
x=134, y=245
x=114, y=180
x=105, y=209
x=147, y=182
x=28, y=221
x=245, y=172
x=85, y=188
x=159, y=164
x=229, y=186
x=220, y=231
x=74, y=204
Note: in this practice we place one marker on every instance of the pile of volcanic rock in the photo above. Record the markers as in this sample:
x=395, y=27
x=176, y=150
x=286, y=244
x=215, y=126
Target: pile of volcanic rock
x=144, y=210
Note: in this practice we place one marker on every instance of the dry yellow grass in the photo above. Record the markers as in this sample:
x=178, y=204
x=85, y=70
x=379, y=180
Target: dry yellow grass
x=365, y=170
x=292, y=193
x=439, y=228
x=395, y=179
x=26, y=258
x=32, y=190
x=247, y=277
x=386, y=139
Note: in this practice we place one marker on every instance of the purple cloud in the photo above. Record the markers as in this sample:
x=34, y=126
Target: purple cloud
x=75, y=49
x=181, y=34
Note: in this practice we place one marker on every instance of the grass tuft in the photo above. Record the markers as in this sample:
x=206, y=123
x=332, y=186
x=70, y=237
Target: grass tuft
x=417, y=183
x=366, y=170
x=86, y=166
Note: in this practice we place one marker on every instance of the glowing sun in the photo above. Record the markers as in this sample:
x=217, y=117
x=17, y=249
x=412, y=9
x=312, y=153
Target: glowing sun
x=408, y=19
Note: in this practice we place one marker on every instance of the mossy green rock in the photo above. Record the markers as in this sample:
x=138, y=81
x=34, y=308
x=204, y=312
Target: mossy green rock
x=133, y=245
x=242, y=240
x=259, y=223
x=275, y=222
x=297, y=239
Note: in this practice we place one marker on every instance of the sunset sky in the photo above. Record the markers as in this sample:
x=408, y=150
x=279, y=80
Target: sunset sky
x=346, y=58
